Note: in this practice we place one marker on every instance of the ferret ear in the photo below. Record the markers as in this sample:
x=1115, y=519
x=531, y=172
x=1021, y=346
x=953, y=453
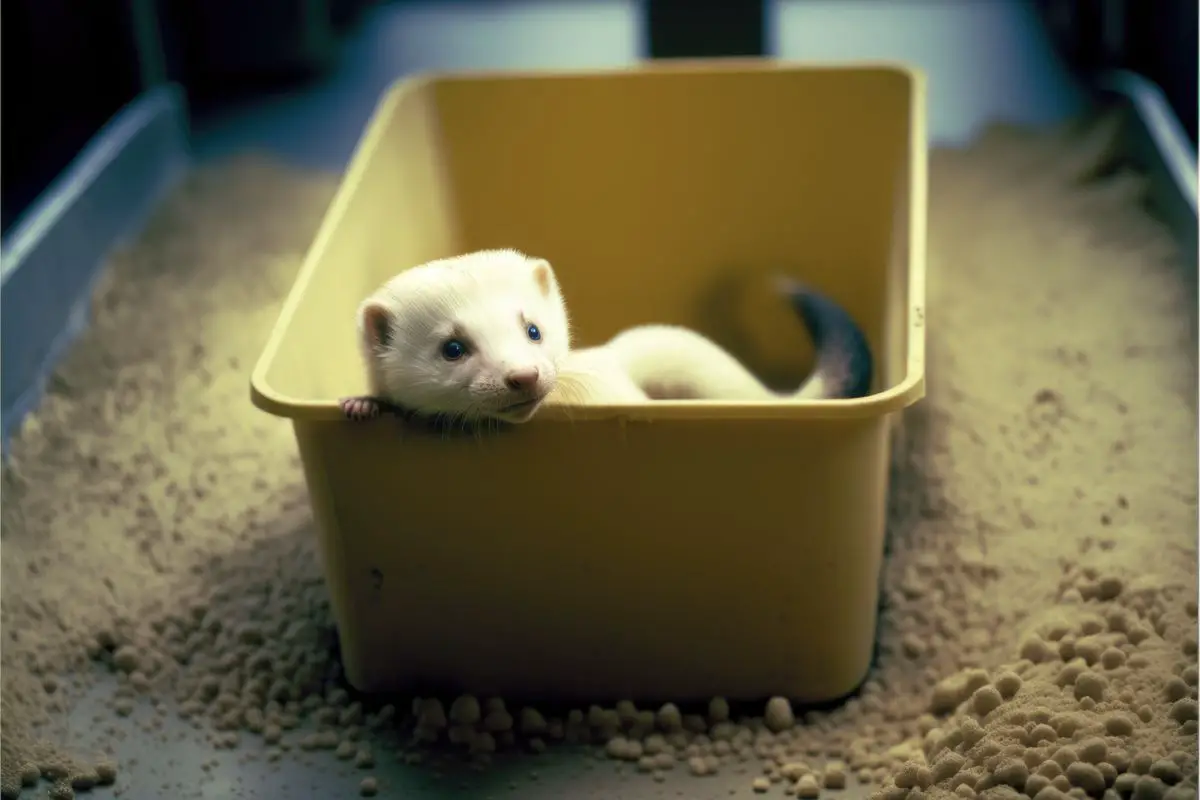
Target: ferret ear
x=543, y=276
x=375, y=323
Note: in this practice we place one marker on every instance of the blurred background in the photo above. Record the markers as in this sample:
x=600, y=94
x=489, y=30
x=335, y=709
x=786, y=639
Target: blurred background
x=300, y=77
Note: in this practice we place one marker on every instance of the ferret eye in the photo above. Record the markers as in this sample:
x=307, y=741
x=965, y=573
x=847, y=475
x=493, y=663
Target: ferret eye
x=534, y=333
x=453, y=350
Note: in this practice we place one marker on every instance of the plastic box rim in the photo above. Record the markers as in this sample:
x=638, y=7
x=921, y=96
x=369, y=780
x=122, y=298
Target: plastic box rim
x=903, y=394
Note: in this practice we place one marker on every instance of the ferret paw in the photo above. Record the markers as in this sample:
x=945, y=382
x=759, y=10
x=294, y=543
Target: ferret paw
x=360, y=408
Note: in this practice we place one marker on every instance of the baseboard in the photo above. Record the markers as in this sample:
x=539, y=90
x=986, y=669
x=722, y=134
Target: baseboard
x=1155, y=140
x=50, y=259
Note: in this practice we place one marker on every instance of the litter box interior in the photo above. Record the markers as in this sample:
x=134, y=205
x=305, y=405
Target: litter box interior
x=746, y=181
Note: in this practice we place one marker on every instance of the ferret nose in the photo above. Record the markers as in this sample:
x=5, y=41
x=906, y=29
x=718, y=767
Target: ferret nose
x=522, y=380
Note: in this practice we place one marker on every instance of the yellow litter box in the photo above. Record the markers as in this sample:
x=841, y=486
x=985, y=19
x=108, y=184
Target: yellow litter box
x=671, y=550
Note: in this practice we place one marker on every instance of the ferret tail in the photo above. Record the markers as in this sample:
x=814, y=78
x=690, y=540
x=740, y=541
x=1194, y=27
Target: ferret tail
x=844, y=365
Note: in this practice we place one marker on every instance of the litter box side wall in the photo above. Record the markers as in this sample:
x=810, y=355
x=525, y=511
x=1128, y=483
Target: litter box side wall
x=634, y=574
x=392, y=210
x=905, y=315
x=51, y=257
x=1155, y=141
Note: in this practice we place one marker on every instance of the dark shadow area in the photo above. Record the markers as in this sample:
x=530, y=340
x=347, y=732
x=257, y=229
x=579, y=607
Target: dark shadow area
x=67, y=68
x=226, y=54
x=686, y=29
x=1157, y=40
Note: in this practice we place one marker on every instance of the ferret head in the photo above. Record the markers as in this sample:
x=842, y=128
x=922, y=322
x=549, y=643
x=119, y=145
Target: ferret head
x=479, y=336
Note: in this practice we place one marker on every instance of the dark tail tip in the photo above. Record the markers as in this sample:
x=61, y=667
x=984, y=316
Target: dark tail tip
x=844, y=362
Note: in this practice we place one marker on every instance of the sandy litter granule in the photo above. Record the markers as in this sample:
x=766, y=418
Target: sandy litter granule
x=1038, y=596
x=142, y=485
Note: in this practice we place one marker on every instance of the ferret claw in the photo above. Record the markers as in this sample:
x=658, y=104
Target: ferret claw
x=360, y=408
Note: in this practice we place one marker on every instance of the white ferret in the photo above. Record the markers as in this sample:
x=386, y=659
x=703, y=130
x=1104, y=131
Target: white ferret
x=485, y=336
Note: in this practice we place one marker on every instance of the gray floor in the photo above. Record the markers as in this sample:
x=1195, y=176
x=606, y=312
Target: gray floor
x=986, y=59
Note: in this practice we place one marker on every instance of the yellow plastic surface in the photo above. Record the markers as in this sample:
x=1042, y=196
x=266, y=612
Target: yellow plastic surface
x=669, y=550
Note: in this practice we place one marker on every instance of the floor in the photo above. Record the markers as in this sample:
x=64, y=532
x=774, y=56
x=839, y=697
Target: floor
x=987, y=60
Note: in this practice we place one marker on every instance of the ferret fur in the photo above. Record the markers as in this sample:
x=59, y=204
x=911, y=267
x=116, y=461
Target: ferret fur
x=487, y=300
